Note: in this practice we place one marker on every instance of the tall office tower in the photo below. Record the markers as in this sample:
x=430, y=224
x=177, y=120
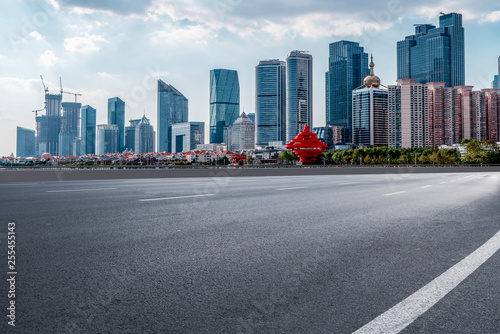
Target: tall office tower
x=224, y=102
x=116, y=115
x=172, y=109
x=242, y=134
x=70, y=128
x=107, y=138
x=49, y=126
x=348, y=66
x=25, y=145
x=130, y=134
x=369, y=112
x=144, y=136
x=434, y=54
x=299, y=86
x=270, y=102
x=496, y=83
x=252, y=115
x=88, y=130
x=186, y=136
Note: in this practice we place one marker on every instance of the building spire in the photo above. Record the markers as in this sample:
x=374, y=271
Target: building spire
x=372, y=65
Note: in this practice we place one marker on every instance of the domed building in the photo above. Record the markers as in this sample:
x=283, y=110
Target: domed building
x=370, y=112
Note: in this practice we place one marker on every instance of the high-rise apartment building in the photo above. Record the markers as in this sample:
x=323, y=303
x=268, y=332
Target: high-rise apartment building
x=116, y=115
x=270, y=102
x=88, y=130
x=431, y=115
x=25, y=145
x=369, y=113
x=107, y=138
x=347, y=67
x=224, y=102
x=434, y=54
x=186, y=136
x=299, y=87
x=144, y=136
x=172, y=109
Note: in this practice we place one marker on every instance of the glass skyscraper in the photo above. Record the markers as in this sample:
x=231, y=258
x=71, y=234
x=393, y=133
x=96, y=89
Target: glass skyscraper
x=107, y=138
x=25, y=145
x=299, y=85
x=88, y=130
x=224, y=102
x=70, y=128
x=49, y=126
x=347, y=67
x=434, y=54
x=270, y=101
x=144, y=136
x=172, y=109
x=116, y=115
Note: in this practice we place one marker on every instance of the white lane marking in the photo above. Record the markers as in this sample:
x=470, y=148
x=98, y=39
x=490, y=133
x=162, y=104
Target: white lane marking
x=78, y=190
x=469, y=176
x=442, y=182
x=347, y=183
x=396, y=193
x=426, y=186
x=176, y=197
x=280, y=189
x=401, y=315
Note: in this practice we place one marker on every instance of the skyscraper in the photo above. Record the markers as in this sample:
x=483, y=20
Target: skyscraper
x=369, y=113
x=107, y=138
x=186, y=136
x=270, y=101
x=130, y=134
x=116, y=115
x=144, y=136
x=242, y=134
x=70, y=127
x=434, y=54
x=50, y=125
x=172, y=109
x=348, y=66
x=25, y=145
x=88, y=130
x=224, y=102
x=299, y=86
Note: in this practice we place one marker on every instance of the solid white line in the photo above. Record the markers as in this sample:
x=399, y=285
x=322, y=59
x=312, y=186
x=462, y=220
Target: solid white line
x=396, y=193
x=345, y=184
x=400, y=316
x=426, y=187
x=177, y=197
x=280, y=189
x=78, y=190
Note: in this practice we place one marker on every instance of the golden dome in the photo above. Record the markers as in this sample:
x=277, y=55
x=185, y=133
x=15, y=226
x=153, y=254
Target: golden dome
x=372, y=80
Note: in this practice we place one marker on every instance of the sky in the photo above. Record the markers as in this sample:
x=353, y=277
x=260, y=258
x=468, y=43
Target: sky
x=107, y=48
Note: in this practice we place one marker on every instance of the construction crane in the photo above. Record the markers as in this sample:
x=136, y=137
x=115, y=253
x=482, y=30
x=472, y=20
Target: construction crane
x=44, y=87
x=75, y=94
x=37, y=111
x=62, y=91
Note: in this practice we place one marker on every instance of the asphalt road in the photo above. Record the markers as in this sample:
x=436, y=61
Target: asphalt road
x=289, y=254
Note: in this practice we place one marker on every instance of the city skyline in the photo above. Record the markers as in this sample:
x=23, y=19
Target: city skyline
x=99, y=71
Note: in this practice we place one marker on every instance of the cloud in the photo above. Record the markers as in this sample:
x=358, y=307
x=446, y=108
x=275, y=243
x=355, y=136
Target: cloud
x=491, y=17
x=86, y=44
x=48, y=59
x=189, y=34
x=121, y=7
x=36, y=35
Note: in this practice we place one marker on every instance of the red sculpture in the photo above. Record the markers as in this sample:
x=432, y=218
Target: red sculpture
x=306, y=146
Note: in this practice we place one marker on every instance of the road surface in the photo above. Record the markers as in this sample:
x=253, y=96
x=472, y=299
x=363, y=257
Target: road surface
x=285, y=254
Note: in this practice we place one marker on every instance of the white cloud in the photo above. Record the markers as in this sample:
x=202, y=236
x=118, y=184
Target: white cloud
x=190, y=34
x=36, y=35
x=105, y=75
x=48, y=59
x=491, y=17
x=86, y=44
